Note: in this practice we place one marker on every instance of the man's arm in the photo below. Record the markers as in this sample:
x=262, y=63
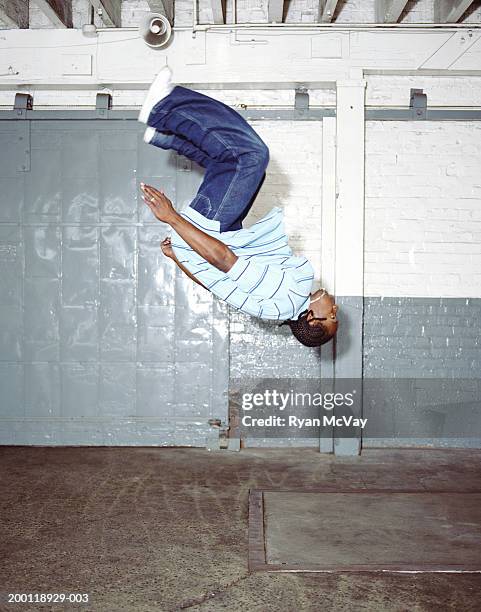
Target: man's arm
x=167, y=250
x=212, y=250
x=189, y=274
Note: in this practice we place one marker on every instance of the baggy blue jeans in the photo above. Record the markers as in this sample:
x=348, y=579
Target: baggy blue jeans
x=217, y=138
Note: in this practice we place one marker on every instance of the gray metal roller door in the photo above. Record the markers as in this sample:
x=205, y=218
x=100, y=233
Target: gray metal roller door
x=99, y=340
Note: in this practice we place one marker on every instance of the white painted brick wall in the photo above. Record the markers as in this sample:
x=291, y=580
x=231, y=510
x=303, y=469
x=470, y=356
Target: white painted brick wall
x=303, y=11
x=381, y=90
x=37, y=19
x=293, y=182
x=452, y=90
x=133, y=11
x=418, y=11
x=306, y=11
x=248, y=11
x=423, y=202
x=299, y=11
x=422, y=11
x=132, y=98
x=355, y=11
x=251, y=11
x=80, y=15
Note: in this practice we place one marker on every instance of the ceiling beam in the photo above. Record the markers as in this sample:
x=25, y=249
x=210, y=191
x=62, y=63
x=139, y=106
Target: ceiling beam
x=450, y=12
x=218, y=10
x=58, y=11
x=389, y=11
x=109, y=11
x=14, y=13
x=275, y=11
x=327, y=8
x=165, y=7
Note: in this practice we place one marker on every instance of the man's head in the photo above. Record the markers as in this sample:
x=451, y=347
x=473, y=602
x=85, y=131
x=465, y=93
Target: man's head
x=318, y=324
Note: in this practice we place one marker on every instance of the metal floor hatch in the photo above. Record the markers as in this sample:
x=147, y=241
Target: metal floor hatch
x=365, y=530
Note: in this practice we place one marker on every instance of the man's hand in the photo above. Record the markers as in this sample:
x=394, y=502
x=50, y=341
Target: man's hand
x=166, y=246
x=212, y=250
x=168, y=251
x=158, y=203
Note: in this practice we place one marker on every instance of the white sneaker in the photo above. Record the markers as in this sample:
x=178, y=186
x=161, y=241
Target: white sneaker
x=160, y=88
x=149, y=134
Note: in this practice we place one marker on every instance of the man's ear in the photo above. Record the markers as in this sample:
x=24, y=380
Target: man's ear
x=334, y=308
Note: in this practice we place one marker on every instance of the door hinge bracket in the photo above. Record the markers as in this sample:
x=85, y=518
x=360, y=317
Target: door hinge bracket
x=103, y=103
x=301, y=99
x=218, y=437
x=23, y=103
x=418, y=104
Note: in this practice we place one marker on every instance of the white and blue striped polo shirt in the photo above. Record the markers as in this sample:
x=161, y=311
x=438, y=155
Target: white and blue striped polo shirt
x=267, y=280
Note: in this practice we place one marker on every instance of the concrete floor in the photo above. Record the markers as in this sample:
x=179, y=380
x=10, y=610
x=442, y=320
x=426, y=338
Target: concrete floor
x=166, y=529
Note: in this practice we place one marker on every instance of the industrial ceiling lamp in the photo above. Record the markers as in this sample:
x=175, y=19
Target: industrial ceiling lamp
x=156, y=30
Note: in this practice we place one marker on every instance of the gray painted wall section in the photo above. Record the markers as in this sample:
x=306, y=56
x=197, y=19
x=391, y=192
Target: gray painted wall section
x=422, y=337
x=263, y=350
x=420, y=375
x=432, y=347
x=348, y=364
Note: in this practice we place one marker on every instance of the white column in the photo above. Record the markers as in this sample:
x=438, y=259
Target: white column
x=328, y=249
x=349, y=284
x=350, y=186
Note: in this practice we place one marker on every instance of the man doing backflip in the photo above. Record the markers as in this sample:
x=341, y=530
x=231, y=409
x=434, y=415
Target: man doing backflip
x=252, y=269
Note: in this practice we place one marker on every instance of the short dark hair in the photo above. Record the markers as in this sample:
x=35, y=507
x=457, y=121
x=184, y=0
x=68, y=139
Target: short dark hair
x=308, y=335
